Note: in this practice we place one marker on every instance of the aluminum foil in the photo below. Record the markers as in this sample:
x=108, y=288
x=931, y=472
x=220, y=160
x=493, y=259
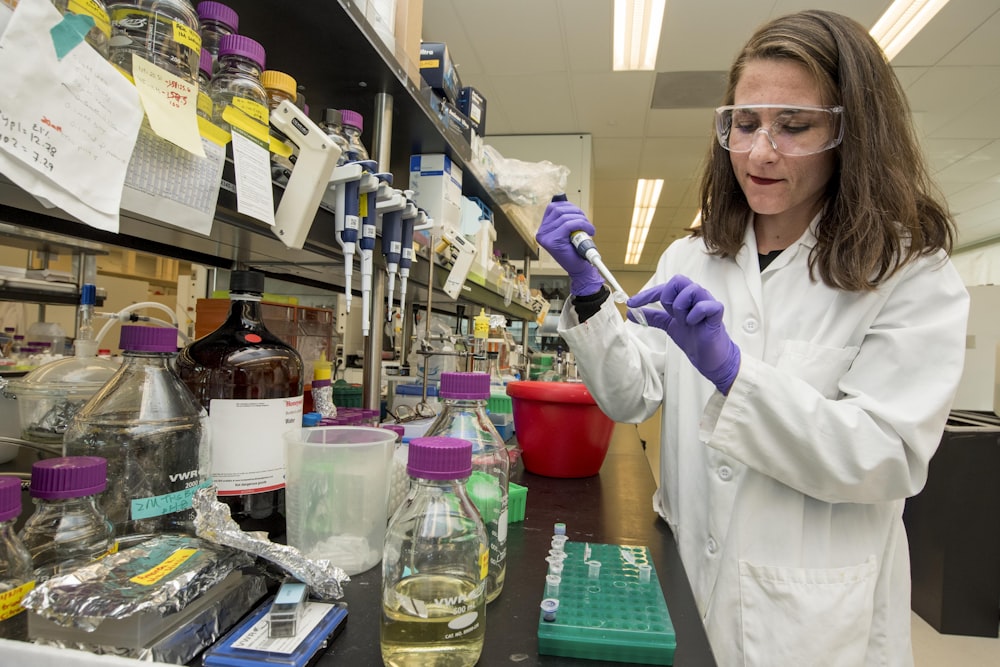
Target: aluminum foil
x=162, y=575
x=214, y=523
x=183, y=643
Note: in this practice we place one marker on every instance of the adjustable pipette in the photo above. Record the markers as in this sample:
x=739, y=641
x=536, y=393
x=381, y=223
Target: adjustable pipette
x=412, y=218
x=347, y=178
x=586, y=248
x=372, y=186
x=392, y=234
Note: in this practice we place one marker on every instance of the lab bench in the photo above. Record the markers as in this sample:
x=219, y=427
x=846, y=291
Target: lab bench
x=613, y=507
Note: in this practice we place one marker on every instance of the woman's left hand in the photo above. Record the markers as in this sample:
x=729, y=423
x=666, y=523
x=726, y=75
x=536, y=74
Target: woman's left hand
x=692, y=317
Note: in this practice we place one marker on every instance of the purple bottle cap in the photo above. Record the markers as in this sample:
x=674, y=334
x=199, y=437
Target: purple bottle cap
x=216, y=11
x=239, y=45
x=68, y=477
x=465, y=386
x=439, y=457
x=205, y=62
x=398, y=429
x=10, y=498
x=148, y=339
x=352, y=118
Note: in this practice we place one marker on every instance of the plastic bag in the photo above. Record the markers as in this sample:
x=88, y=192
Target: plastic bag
x=523, y=183
x=523, y=189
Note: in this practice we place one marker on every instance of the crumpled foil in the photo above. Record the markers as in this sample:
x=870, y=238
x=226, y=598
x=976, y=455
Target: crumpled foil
x=162, y=575
x=214, y=523
x=185, y=641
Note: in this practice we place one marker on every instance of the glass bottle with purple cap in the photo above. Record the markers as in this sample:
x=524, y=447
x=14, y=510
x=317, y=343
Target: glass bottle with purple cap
x=68, y=528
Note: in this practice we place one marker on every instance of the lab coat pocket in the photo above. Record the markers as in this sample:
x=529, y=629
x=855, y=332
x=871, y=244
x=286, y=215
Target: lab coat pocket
x=806, y=617
x=819, y=365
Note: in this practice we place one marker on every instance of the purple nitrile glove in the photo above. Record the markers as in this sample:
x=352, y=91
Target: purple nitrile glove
x=561, y=219
x=693, y=318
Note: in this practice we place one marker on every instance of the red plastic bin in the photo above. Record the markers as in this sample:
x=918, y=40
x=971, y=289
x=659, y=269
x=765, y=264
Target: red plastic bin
x=561, y=431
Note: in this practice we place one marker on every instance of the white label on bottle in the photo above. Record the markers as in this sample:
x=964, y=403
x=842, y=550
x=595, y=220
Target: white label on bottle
x=248, y=454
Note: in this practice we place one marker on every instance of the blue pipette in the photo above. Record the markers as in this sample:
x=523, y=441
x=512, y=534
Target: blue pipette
x=392, y=234
x=586, y=248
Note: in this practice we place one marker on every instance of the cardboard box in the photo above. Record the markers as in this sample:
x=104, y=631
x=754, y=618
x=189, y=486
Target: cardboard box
x=438, y=70
x=409, y=23
x=472, y=103
x=436, y=182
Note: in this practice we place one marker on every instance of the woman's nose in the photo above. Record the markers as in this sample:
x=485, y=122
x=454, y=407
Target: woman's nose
x=769, y=145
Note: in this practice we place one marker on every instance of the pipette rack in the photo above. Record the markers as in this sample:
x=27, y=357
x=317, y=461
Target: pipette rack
x=614, y=617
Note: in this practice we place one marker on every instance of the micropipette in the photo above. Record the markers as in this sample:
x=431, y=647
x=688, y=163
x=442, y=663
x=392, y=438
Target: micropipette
x=586, y=248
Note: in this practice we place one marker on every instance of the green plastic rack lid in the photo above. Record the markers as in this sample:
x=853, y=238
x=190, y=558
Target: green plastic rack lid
x=614, y=617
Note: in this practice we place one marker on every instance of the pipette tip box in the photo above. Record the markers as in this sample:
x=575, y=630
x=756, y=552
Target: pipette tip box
x=249, y=644
x=615, y=616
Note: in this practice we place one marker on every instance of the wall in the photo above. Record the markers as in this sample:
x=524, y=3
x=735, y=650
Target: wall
x=980, y=266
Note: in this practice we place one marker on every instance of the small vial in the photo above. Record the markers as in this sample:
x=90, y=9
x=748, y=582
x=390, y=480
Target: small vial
x=558, y=555
x=353, y=126
x=68, y=528
x=559, y=529
x=644, y=571
x=559, y=542
x=555, y=565
x=549, y=608
x=593, y=569
x=15, y=563
x=215, y=20
x=552, y=582
x=333, y=126
x=237, y=79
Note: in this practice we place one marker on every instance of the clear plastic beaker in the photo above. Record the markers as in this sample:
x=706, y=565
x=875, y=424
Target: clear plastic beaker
x=336, y=493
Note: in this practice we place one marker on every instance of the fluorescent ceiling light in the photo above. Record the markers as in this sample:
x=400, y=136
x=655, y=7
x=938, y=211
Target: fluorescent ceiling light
x=647, y=193
x=902, y=21
x=637, y=33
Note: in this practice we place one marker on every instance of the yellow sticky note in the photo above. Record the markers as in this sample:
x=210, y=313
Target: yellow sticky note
x=170, y=103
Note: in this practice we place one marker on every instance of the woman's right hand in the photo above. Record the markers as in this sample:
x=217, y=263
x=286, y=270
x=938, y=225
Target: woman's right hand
x=561, y=219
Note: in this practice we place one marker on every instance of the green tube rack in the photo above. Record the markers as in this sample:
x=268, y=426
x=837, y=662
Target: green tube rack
x=614, y=617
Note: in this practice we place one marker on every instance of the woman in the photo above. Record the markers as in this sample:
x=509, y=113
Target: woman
x=805, y=345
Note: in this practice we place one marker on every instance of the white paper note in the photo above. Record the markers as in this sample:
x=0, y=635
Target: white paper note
x=67, y=125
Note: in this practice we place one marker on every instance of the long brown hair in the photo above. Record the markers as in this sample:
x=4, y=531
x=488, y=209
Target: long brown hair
x=881, y=209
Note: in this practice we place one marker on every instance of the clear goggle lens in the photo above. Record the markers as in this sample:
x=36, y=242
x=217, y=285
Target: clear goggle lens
x=790, y=130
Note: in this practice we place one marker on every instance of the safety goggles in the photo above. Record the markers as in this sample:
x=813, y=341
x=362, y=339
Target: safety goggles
x=790, y=130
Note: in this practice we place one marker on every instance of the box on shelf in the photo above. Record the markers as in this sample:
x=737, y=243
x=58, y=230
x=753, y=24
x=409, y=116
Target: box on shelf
x=457, y=125
x=438, y=70
x=472, y=103
x=436, y=182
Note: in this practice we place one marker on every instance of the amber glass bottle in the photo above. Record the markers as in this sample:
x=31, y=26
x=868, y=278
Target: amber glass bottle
x=251, y=383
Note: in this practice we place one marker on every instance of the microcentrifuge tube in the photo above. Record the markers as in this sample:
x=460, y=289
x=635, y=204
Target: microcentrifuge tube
x=549, y=608
x=552, y=582
x=593, y=569
x=558, y=542
x=644, y=571
x=555, y=565
x=559, y=529
x=559, y=554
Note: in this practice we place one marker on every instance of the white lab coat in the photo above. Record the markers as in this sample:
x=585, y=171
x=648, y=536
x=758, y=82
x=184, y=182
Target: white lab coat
x=786, y=496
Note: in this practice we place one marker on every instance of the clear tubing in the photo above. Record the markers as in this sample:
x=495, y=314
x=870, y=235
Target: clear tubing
x=116, y=317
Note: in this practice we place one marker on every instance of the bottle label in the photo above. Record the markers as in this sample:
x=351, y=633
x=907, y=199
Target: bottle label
x=10, y=601
x=248, y=453
x=168, y=503
x=94, y=10
x=168, y=565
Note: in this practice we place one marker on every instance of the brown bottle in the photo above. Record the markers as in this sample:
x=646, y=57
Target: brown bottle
x=251, y=383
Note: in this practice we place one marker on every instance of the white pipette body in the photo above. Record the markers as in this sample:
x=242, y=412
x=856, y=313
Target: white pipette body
x=586, y=248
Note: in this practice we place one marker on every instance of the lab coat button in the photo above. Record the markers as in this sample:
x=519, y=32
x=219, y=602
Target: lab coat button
x=750, y=325
x=725, y=473
x=712, y=545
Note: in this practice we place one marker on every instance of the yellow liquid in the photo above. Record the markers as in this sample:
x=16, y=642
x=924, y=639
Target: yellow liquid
x=433, y=621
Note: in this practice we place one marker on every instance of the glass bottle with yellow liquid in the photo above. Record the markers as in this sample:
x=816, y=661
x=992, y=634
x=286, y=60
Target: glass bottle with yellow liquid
x=434, y=563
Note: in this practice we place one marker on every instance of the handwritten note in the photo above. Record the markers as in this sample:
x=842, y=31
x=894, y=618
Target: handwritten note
x=69, y=125
x=171, y=104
